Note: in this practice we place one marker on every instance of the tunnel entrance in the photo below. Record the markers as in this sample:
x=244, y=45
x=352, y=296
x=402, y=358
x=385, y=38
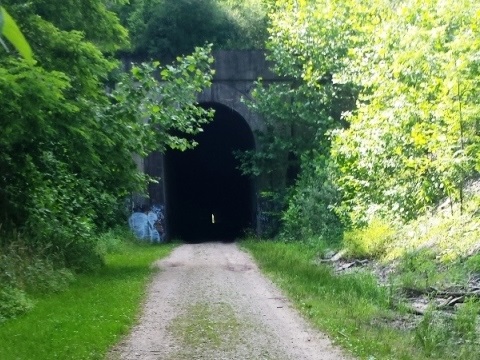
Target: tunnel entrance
x=207, y=197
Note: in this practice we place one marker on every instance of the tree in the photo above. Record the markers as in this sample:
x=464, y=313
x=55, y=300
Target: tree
x=165, y=29
x=306, y=46
x=414, y=138
x=66, y=143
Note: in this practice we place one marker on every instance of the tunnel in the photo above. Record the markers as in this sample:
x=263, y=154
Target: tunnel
x=207, y=196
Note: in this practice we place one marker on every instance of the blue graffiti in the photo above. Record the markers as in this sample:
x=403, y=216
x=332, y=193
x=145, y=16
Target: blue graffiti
x=148, y=224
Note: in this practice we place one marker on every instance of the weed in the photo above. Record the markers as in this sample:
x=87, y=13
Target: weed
x=432, y=332
x=25, y=271
x=13, y=302
x=473, y=263
x=465, y=321
x=451, y=235
x=114, y=241
x=417, y=269
x=345, y=306
x=444, y=336
x=203, y=324
x=216, y=330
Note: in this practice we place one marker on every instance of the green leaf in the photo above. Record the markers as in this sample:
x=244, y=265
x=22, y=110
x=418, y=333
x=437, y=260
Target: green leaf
x=10, y=30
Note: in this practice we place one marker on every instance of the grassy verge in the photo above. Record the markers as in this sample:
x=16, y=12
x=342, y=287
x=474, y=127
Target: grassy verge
x=83, y=321
x=357, y=313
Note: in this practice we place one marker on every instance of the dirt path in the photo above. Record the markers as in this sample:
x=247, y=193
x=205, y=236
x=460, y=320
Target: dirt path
x=211, y=302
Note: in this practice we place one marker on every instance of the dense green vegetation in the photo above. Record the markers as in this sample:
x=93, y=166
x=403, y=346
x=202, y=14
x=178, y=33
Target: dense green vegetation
x=373, y=146
x=66, y=143
x=83, y=321
x=379, y=119
x=72, y=117
x=166, y=29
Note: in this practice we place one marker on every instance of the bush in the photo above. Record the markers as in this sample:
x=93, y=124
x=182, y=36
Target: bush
x=113, y=241
x=309, y=213
x=30, y=269
x=370, y=241
x=13, y=302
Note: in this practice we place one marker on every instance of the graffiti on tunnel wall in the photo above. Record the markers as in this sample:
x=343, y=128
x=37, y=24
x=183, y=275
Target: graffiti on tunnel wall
x=148, y=223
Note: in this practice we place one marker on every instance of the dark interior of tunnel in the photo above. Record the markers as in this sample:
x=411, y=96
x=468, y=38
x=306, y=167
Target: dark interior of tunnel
x=207, y=196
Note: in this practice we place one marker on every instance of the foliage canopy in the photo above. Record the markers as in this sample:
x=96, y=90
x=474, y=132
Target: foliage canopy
x=168, y=28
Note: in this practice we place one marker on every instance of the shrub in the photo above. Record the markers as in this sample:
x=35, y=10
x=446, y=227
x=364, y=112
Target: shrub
x=23, y=271
x=370, y=241
x=13, y=302
x=309, y=214
x=113, y=241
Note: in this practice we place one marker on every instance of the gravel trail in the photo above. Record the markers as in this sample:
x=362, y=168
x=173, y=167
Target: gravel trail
x=209, y=301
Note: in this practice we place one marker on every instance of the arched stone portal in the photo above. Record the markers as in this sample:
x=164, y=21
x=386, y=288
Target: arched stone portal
x=175, y=197
x=207, y=196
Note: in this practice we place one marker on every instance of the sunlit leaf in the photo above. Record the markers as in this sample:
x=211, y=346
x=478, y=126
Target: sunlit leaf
x=10, y=30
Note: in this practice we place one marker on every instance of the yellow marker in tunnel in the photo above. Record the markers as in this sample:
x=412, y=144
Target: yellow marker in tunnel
x=213, y=219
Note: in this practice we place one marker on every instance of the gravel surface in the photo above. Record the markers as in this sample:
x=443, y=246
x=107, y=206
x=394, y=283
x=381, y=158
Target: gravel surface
x=209, y=301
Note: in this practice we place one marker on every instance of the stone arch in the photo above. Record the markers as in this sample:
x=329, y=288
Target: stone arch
x=231, y=97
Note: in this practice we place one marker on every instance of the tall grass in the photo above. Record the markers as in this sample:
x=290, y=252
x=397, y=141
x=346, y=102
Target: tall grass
x=439, y=250
x=357, y=313
x=83, y=321
x=26, y=270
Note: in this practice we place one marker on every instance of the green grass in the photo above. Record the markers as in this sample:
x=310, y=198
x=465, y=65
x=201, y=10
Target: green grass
x=439, y=249
x=356, y=312
x=83, y=321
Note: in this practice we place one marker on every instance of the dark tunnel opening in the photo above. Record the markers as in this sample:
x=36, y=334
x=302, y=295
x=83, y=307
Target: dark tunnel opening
x=207, y=196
